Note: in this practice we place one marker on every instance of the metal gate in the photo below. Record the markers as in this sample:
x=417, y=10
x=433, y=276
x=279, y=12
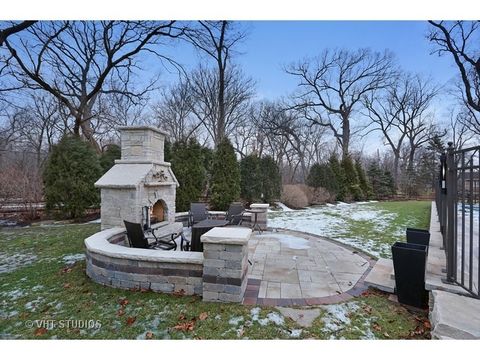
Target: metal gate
x=458, y=199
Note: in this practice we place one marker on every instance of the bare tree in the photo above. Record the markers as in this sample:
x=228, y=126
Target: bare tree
x=238, y=90
x=13, y=28
x=460, y=39
x=174, y=112
x=332, y=85
x=460, y=124
x=399, y=112
x=75, y=61
x=218, y=40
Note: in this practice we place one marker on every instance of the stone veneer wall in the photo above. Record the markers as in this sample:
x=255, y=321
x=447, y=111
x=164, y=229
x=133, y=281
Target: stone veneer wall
x=225, y=264
x=115, y=265
x=217, y=274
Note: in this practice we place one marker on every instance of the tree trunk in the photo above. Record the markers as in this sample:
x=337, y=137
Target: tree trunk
x=221, y=104
x=345, y=136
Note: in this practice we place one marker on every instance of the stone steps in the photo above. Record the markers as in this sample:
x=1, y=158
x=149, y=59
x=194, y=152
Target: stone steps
x=380, y=277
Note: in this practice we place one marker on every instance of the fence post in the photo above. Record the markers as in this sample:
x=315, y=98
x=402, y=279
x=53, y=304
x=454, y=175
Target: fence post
x=450, y=208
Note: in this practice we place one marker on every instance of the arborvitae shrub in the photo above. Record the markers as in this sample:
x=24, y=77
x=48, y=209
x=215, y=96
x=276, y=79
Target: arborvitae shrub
x=271, y=179
x=225, y=176
x=188, y=167
x=71, y=170
x=108, y=157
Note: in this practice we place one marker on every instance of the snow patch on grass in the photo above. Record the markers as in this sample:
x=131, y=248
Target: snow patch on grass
x=73, y=258
x=33, y=305
x=334, y=222
x=15, y=294
x=273, y=317
x=235, y=320
x=9, y=262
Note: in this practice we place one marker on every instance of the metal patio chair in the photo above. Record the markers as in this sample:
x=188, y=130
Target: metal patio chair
x=198, y=212
x=137, y=239
x=235, y=213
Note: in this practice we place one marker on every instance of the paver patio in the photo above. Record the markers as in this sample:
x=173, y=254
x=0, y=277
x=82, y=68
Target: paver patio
x=294, y=268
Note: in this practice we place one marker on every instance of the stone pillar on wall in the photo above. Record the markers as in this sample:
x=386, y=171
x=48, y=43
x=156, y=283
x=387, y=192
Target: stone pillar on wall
x=225, y=264
x=261, y=217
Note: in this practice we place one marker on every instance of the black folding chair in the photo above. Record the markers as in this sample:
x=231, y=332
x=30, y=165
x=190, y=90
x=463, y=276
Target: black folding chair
x=198, y=212
x=235, y=213
x=137, y=239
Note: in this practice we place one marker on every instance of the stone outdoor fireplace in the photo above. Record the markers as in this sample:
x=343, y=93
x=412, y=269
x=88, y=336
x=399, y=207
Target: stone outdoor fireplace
x=141, y=186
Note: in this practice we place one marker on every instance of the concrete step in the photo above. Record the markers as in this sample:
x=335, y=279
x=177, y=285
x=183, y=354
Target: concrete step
x=454, y=316
x=380, y=276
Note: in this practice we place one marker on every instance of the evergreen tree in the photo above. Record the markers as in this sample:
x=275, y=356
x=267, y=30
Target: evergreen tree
x=271, y=179
x=321, y=175
x=337, y=170
x=382, y=182
x=225, y=177
x=108, y=157
x=188, y=167
x=167, y=149
x=71, y=170
x=352, y=184
x=362, y=179
x=251, y=178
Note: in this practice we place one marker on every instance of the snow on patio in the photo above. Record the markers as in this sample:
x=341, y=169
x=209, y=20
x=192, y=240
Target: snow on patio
x=333, y=221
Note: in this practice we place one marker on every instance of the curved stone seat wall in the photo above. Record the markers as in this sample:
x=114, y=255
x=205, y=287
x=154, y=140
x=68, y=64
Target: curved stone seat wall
x=111, y=263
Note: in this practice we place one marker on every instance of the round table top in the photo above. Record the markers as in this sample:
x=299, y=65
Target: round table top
x=256, y=210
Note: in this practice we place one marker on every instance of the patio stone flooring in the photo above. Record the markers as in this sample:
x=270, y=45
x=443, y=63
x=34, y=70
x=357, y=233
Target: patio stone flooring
x=295, y=268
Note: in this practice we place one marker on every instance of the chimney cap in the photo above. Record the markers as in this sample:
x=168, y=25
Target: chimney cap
x=143, y=128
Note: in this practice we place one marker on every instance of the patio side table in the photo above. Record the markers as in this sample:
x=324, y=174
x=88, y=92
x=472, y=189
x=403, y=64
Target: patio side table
x=201, y=228
x=255, y=222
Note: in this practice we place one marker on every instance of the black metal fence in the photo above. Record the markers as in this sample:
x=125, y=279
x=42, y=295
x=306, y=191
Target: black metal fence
x=458, y=199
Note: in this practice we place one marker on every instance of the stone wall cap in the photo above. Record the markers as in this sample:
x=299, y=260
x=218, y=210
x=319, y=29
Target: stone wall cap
x=98, y=244
x=143, y=127
x=227, y=235
x=259, y=206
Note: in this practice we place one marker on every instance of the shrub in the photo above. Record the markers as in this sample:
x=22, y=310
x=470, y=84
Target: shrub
x=225, y=176
x=70, y=173
x=321, y=175
x=251, y=178
x=381, y=181
x=339, y=175
x=188, y=167
x=108, y=157
x=294, y=196
x=271, y=179
x=362, y=179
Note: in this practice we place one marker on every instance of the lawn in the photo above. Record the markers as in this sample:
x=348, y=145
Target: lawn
x=45, y=294
x=372, y=227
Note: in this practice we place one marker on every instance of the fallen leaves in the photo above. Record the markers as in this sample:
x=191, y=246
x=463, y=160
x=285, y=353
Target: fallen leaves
x=185, y=326
x=149, y=335
x=123, y=302
x=120, y=312
x=376, y=327
x=203, y=316
x=40, y=331
x=367, y=309
x=179, y=293
x=66, y=270
x=131, y=320
x=67, y=286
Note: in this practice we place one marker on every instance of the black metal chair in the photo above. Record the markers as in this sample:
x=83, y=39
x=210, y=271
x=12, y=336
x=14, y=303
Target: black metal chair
x=235, y=213
x=137, y=239
x=198, y=212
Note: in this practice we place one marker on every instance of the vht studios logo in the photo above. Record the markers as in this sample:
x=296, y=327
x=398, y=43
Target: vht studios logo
x=63, y=324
